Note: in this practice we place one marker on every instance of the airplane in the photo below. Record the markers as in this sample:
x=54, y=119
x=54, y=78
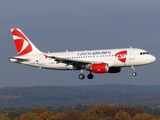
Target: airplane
x=94, y=61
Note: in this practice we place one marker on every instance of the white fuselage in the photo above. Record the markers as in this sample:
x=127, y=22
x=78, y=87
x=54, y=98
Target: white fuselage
x=126, y=57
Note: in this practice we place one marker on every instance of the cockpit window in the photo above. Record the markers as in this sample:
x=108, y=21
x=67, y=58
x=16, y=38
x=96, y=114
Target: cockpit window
x=143, y=53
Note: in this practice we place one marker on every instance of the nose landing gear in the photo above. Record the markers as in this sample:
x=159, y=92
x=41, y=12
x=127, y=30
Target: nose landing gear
x=133, y=71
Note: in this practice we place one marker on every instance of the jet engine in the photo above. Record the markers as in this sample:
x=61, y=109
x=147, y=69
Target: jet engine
x=103, y=68
x=99, y=68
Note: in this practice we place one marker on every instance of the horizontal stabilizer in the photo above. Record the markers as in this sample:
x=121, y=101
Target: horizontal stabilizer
x=18, y=59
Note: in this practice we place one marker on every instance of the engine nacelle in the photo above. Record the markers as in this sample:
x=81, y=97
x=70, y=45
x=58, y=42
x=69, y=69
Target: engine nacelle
x=103, y=68
x=99, y=68
x=114, y=70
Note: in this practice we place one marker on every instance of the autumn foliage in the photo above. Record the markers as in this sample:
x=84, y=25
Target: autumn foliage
x=99, y=112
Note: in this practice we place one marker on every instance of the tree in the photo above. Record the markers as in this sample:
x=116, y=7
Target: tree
x=13, y=115
x=48, y=115
x=38, y=110
x=82, y=108
x=143, y=117
x=122, y=115
x=2, y=116
x=72, y=115
x=29, y=116
x=100, y=111
x=131, y=110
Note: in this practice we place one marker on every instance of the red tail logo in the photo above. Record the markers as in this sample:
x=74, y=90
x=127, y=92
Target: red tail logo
x=22, y=44
x=121, y=56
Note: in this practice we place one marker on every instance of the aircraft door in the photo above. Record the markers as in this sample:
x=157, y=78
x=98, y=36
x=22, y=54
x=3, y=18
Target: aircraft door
x=41, y=60
x=131, y=54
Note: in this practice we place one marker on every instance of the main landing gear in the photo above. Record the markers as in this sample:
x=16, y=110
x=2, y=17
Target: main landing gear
x=81, y=76
x=133, y=71
x=90, y=75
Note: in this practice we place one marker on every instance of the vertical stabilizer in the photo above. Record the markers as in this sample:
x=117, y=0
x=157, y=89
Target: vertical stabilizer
x=23, y=45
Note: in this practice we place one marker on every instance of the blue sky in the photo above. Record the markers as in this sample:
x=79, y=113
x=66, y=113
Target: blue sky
x=58, y=25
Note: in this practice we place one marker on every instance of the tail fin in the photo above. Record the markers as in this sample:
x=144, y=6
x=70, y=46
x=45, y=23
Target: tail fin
x=23, y=45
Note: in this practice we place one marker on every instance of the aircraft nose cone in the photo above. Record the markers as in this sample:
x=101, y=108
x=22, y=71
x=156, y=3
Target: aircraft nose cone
x=153, y=58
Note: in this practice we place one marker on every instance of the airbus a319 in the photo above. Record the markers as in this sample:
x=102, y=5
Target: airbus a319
x=94, y=61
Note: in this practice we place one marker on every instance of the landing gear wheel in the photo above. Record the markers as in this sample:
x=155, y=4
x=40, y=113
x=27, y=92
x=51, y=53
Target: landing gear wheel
x=90, y=76
x=81, y=76
x=134, y=73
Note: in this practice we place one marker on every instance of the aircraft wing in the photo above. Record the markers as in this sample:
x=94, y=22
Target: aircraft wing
x=79, y=63
x=76, y=63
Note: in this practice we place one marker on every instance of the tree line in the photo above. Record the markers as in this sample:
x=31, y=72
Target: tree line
x=55, y=96
x=79, y=112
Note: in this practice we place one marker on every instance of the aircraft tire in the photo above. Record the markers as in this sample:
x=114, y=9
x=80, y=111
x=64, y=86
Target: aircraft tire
x=90, y=76
x=134, y=73
x=81, y=76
